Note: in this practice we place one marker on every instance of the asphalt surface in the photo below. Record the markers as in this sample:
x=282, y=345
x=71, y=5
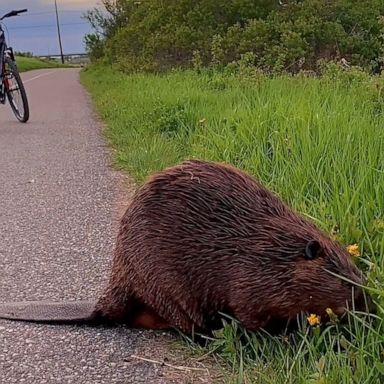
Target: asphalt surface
x=59, y=200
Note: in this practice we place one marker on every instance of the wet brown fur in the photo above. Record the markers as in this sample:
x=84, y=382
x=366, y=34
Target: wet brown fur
x=201, y=238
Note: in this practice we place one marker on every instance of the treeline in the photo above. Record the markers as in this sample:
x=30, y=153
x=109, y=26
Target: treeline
x=275, y=36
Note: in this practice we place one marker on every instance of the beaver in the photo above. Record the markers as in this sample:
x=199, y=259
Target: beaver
x=203, y=238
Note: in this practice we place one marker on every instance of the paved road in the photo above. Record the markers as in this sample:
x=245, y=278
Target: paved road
x=58, y=200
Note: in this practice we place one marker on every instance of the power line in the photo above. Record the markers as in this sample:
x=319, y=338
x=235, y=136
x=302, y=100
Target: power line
x=51, y=12
x=47, y=25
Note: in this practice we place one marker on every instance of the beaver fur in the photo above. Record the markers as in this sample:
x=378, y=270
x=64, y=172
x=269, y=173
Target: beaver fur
x=202, y=238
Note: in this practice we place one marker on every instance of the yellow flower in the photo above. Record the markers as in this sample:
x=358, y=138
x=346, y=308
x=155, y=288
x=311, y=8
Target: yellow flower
x=313, y=320
x=353, y=250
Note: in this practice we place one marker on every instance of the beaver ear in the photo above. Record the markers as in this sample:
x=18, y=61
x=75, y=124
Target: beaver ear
x=312, y=249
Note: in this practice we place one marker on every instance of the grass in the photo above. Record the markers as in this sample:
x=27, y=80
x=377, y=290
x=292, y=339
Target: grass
x=29, y=63
x=318, y=143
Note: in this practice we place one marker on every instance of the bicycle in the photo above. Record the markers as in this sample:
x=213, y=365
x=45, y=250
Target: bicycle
x=11, y=86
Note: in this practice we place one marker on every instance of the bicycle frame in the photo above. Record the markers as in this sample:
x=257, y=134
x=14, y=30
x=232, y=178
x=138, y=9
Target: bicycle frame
x=4, y=49
x=11, y=85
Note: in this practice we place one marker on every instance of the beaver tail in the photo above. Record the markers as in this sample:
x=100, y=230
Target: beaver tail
x=75, y=312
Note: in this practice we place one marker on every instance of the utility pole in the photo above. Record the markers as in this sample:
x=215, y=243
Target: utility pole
x=58, y=33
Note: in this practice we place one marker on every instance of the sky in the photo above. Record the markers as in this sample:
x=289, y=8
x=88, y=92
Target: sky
x=36, y=31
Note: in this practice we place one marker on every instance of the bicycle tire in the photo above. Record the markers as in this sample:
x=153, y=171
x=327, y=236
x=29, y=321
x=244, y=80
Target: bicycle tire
x=13, y=73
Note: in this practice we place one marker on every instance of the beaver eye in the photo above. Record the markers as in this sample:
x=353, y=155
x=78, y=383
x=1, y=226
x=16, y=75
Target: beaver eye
x=312, y=249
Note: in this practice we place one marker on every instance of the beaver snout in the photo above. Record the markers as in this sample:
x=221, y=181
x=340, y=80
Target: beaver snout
x=362, y=301
x=356, y=300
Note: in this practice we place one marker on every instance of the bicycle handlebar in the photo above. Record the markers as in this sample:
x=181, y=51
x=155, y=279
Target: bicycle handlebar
x=13, y=13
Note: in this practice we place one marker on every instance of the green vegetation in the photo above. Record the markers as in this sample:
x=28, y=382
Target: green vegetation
x=29, y=63
x=280, y=35
x=317, y=142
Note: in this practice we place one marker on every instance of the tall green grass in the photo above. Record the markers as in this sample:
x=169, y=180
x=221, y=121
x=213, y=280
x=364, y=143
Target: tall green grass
x=318, y=143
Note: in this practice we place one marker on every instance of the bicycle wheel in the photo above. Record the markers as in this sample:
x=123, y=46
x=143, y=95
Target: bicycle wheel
x=15, y=91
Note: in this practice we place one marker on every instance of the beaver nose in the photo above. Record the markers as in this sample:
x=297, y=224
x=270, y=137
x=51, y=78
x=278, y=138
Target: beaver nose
x=362, y=301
